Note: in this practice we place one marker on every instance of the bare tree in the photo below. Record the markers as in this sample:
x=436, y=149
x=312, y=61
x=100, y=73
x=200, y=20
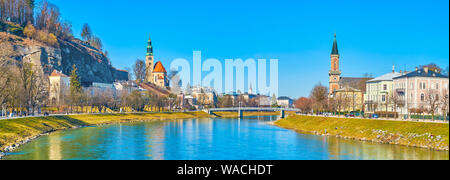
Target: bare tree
x=397, y=101
x=86, y=32
x=304, y=103
x=139, y=70
x=432, y=100
x=445, y=104
x=342, y=102
x=34, y=86
x=319, y=96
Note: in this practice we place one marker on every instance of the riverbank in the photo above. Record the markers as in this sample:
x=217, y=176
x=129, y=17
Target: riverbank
x=414, y=134
x=15, y=132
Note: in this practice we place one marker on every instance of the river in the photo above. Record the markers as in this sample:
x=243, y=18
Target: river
x=251, y=138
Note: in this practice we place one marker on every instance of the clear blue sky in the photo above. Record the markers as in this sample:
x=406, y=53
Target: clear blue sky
x=372, y=34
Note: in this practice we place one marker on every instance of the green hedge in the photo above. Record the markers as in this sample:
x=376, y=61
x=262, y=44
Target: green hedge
x=428, y=117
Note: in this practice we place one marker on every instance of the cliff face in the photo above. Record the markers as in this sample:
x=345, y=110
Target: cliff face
x=92, y=64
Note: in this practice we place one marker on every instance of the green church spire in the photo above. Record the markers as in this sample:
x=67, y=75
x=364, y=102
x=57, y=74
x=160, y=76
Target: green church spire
x=149, y=47
x=335, y=47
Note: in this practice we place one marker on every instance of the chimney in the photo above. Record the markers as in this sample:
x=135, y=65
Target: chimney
x=425, y=69
x=393, y=68
x=417, y=68
x=401, y=72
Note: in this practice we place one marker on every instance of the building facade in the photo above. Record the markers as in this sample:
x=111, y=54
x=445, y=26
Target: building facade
x=419, y=88
x=379, y=93
x=346, y=92
x=285, y=102
x=349, y=99
x=335, y=72
x=155, y=73
x=59, y=84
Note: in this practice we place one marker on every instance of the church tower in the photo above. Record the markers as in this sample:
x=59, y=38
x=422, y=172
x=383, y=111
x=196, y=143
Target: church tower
x=335, y=73
x=149, y=62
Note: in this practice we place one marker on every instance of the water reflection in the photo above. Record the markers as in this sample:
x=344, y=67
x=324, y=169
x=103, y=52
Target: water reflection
x=207, y=139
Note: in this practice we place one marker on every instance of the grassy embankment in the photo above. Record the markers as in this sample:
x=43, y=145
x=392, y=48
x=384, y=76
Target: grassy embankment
x=16, y=131
x=416, y=134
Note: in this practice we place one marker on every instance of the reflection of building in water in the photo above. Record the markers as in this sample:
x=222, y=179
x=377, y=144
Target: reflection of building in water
x=54, y=151
x=156, y=138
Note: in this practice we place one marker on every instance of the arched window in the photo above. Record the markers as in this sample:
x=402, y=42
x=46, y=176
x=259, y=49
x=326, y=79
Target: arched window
x=422, y=97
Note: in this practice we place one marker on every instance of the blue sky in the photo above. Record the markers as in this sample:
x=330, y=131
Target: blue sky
x=372, y=35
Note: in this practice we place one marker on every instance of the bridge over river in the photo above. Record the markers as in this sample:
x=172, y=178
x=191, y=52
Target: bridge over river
x=241, y=110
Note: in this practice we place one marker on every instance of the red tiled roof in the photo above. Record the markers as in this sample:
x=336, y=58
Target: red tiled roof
x=159, y=68
x=57, y=73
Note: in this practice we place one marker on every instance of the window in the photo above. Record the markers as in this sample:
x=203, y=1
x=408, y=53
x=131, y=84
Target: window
x=422, y=97
x=437, y=86
x=385, y=87
x=383, y=98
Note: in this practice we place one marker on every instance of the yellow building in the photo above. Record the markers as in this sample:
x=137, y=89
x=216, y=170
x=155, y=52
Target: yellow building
x=348, y=99
x=59, y=84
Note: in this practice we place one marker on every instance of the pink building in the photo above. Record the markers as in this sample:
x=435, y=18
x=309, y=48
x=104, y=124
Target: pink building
x=421, y=88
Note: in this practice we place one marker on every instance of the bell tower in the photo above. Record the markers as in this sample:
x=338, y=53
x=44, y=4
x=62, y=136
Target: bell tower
x=149, y=62
x=335, y=73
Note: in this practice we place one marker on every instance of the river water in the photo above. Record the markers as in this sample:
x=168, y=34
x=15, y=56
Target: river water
x=251, y=138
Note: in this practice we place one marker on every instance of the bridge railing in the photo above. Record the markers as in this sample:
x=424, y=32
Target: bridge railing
x=251, y=109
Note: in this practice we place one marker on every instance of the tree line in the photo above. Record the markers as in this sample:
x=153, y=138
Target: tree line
x=40, y=22
x=23, y=87
x=24, y=91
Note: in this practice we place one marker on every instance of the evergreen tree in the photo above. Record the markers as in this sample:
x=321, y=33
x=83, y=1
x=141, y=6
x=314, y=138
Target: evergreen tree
x=75, y=87
x=274, y=100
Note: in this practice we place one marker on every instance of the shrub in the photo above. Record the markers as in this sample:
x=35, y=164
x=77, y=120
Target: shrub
x=14, y=29
x=29, y=31
x=52, y=40
x=387, y=114
x=42, y=36
x=2, y=26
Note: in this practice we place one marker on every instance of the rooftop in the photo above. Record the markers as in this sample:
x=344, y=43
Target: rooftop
x=57, y=73
x=284, y=98
x=422, y=73
x=386, y=77
x=159, y=68
x=335, y=47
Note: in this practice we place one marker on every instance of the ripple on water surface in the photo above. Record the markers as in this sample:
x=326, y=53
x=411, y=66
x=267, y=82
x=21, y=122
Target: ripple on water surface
x=207, y=139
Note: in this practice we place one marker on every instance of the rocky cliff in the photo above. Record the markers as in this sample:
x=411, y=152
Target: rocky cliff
x=91, y=63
